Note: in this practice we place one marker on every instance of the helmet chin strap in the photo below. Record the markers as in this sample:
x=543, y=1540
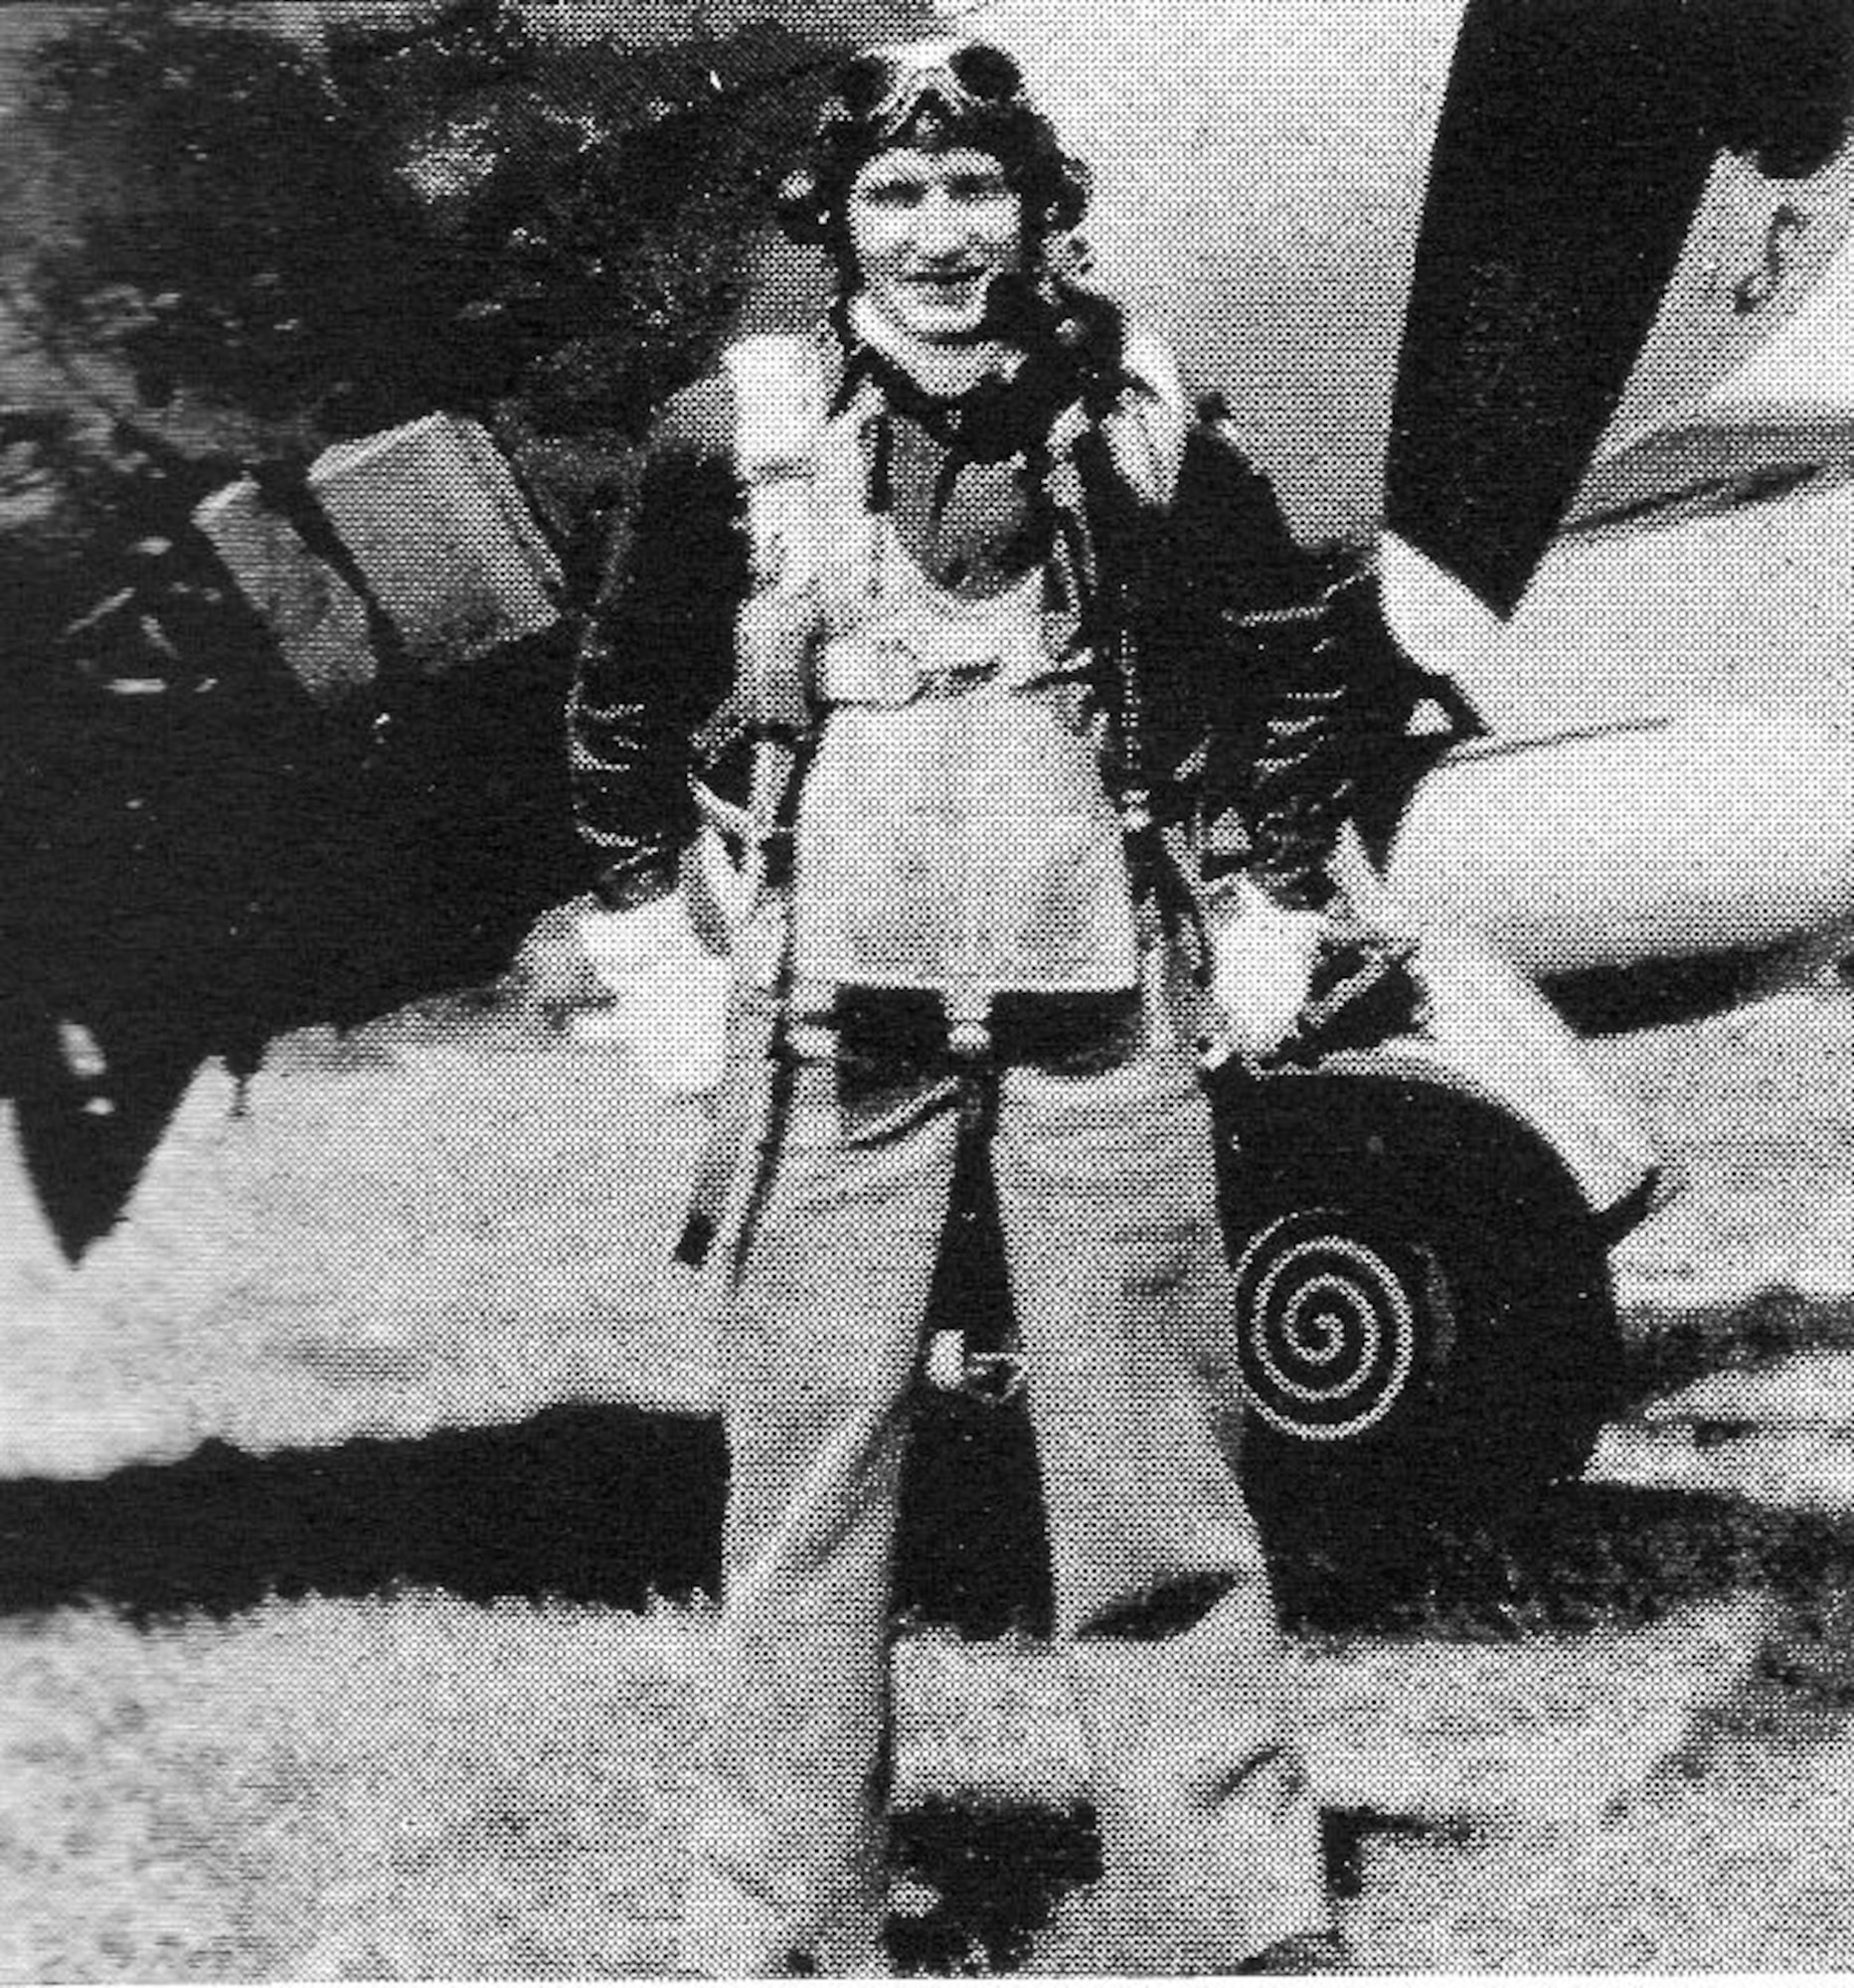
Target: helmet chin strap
x=942, y=367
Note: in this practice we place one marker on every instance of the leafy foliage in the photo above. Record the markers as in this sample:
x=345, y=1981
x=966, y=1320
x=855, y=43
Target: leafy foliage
x=223, y=241
x=221, y=244
x=449, y=214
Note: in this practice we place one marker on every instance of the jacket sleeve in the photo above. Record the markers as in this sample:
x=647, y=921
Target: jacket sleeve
x=1277, y=715
x=657, y=653
x=1303, y=775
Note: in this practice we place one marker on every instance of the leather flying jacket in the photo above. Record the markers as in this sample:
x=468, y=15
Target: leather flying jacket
x=1256, y=728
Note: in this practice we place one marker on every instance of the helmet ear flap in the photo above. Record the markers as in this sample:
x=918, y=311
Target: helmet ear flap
x=1069, y=197
x=801, y=209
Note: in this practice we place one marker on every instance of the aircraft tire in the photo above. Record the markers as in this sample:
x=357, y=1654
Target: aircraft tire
x=1424, y=1314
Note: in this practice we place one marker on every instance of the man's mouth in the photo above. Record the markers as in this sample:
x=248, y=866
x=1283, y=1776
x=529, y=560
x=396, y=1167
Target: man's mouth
x=945, y=282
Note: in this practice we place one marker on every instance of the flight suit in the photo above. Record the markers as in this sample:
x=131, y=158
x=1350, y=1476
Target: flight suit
x=1097, y=1144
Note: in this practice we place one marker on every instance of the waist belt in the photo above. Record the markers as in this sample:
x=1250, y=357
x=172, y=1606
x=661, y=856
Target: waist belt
x=889, y=673
x=893, y=666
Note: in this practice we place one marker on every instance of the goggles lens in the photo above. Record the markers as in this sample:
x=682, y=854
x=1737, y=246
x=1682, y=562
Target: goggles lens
x=888, y=85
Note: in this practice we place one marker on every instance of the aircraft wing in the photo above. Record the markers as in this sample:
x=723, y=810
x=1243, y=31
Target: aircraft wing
x=1779, y=423
x=1627, y=200
x=191, y=865
x=1705, y=557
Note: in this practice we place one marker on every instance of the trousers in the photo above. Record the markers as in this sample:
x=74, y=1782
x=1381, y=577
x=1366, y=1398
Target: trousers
x=1100, y=1152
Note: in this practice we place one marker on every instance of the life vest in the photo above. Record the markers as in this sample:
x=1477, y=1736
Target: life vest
x=953, y=829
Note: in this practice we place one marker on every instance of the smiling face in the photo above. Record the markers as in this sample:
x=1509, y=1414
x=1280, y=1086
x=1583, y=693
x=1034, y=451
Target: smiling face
x=930, y=233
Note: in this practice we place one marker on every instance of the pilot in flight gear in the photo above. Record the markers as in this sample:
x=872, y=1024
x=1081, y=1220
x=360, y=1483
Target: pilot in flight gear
x=954, y=567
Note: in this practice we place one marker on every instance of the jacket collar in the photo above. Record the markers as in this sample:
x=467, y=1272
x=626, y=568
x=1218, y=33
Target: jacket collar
x=1000, y=414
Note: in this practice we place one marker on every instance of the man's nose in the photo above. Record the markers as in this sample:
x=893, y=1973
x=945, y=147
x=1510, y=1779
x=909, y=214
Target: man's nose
x=940, y=224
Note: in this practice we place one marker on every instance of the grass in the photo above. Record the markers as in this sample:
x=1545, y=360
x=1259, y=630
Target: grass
x=409, y=1785
x=375, y=1676
x=379, y=1245
x=397, y=1785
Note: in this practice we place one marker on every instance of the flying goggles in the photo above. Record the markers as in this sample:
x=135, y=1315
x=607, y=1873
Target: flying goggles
x=887, y=88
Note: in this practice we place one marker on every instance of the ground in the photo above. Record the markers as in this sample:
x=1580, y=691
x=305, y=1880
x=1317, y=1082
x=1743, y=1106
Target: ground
x=388, y=1664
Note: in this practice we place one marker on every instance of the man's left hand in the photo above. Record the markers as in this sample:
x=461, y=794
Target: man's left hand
x=1263, y=956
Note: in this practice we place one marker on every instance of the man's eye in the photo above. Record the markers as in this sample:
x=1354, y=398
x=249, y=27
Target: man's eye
x=982, y=186
x=899, y=194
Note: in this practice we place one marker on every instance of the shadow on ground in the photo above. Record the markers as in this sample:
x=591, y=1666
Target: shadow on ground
x=596, y=1504
x=1665, y=1348
x=978, y=1881
x=583, y=1503
x=616, y=1504
x=1573, y=1557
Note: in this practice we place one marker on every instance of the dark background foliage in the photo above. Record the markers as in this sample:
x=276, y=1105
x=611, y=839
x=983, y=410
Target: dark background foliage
x=224, y=245
x=242, y=243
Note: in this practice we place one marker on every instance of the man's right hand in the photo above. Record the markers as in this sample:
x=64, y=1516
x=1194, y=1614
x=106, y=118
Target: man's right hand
x=670, y=991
